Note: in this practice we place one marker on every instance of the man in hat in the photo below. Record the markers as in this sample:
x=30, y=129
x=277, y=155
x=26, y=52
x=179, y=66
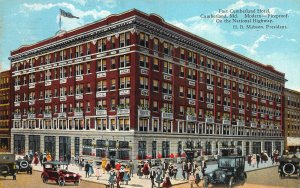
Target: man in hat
x=184, y=168
x=131, y=168
x=165, y=167
x=152, y=176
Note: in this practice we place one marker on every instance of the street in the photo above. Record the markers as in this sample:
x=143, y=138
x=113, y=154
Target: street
x=34, y=181
x=264, y=178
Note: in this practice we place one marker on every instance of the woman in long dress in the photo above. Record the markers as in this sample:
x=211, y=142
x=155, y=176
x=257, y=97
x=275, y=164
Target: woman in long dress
x=253, y=160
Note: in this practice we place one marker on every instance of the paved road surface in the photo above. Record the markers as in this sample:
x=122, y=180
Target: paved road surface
x=265, y=178
x=34, y=181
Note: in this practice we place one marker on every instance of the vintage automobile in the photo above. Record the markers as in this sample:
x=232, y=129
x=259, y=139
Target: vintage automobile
x=289, y=165
x=231, y=171
x=23, y=165
x=56, y=171
x=8, y=165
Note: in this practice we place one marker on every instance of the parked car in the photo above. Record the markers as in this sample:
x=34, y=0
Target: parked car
x=289, y=165
x=231, y=170
x=8, y=165
x=23, y=165
x=56, y=171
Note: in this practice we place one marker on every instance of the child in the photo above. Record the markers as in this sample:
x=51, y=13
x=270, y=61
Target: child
x=98, y=173
x=112, y=178
x=126, y=176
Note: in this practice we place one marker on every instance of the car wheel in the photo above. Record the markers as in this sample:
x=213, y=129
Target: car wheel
x=61, y=181
x=45, y=179
x=244, y=177
x=205, y=182
x=231, y=182
x=77, y=182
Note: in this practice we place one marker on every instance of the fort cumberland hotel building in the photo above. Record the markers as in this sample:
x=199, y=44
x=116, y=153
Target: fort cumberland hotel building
x=132, y=86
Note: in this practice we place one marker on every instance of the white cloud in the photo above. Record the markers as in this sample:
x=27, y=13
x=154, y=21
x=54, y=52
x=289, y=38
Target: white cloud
x=109, y=3
x=256, y=44
x=76, y=12
x=81, y=2
x=68, y=23
x=237, y=33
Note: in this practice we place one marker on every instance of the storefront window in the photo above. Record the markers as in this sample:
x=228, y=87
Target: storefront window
x=165, y=149
x=142, y=150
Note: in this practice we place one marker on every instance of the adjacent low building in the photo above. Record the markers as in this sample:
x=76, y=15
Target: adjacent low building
x=292, y=119
x=132, y=86
x=5, y=110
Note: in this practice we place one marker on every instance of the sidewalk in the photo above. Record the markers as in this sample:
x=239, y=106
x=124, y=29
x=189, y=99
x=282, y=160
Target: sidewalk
x=135, y=181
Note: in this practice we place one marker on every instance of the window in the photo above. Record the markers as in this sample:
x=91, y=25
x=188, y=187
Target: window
x=144, y=38
x=143, y=82
x=112, y=104
x=168, y=48
x=79, y=70
x=124, y=61
x=144, y=61
x=155, y=44
x=192, y=74
x=71, y=90
x=124, y=82
x=79, y=89
x=88, y=88
x=210, y=97
x=182, y=55
x=101, y=65
x=112, y=84
x=101, y=45
x=191, y=93
x=78, y=51
x=167, y=88
x=113, y=63
x=113, y=42
x=155, y=86
x=181, y=110
x=210, y=79
x=201, y=96
x=102, y=85
x=124, y=39
x=167, y=67
x=88, y=48
x=155, y=64
x=63, y=91
x=181, y=72
x=142, y=149
x=155, y=125
x=88, y=68
x=101, y=103
x=181, y=91
x=88, y=106
x=155, y=106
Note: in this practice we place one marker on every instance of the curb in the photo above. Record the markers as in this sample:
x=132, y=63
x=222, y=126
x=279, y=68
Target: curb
x=262, y=168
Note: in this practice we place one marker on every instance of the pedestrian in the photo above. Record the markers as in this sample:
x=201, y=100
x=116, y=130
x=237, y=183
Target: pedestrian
x=203, y=166
x=249, y=159
x=86, y=168
x=81, y=165
x=131, y=167
x=191, y=179
x=112, y=163
x=175, y=170
x=139, y=172
x=69, y=158
x=108, y=167
x=194, y=167
x=170, y=170
x=189, y=169
x=167, y=182
x=183, y=169
x=103, y=164
x=98, y=173
x=257, y=159
x=126, y=176
x=152, y=177
x=253, y=160
x=158, y=178
x=118, y=166
x=41, y=158
x=145, y=170
x=112, y=178
x=35, y=158
x=165, y=167
x=91, y=169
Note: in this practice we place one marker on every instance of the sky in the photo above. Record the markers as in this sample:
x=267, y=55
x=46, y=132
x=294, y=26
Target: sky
x=29, y=21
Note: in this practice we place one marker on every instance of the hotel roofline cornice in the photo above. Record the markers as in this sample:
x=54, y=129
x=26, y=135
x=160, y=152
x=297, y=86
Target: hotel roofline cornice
x=154, y=28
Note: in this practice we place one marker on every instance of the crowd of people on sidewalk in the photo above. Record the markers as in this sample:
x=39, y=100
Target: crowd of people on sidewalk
x=255, y=159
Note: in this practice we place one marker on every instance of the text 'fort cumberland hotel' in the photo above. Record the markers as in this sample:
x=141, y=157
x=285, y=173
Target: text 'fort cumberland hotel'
x=133, y=86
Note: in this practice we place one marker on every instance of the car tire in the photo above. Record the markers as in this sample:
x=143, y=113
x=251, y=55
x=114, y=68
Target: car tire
x=61, y=181
x=45, y=179
x=77, y=183
x=244, y=176
x=205, y=182
x=231, y=182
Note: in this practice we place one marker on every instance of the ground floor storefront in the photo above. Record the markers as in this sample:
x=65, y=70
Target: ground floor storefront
x=134, y=145
x=4, y=143
x=292, y=144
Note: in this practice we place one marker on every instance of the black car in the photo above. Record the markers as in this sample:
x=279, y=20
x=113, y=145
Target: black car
x=289, y=165
x=231, y=171
x=24, y=165
x=8, y=165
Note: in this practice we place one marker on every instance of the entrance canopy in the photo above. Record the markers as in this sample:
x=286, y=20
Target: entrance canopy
x=293, y=141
